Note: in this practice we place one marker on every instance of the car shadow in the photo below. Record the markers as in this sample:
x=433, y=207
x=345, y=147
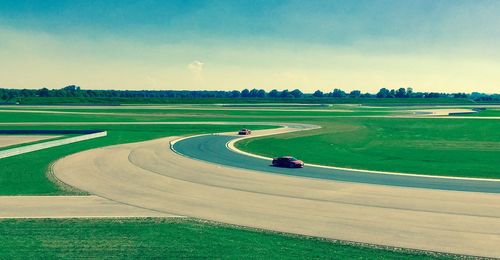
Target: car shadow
x=283, y=167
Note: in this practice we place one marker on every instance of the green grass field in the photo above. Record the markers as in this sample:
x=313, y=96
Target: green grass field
x=173, y=239
x=155, y=115
x=487, y=112
x=459, y=147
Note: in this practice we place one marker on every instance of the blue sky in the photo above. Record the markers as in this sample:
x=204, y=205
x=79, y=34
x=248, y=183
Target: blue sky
x=428, y=45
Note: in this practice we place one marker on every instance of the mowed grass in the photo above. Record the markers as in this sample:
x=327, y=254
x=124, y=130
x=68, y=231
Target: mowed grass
x=487, y=112
x=26, y=174
x=152, y=115
x=449, y=147
x=173, y=239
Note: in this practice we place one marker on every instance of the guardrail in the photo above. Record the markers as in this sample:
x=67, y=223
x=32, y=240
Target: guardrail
x=40, y=146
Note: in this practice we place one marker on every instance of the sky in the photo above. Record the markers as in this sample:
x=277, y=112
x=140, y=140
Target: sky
x=429, y=45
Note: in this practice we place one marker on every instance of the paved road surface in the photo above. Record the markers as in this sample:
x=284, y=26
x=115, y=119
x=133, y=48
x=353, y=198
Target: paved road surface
x=151, y=176
x=212, y=148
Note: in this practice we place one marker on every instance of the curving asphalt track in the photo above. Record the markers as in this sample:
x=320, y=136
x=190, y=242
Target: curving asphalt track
x=149, y=175
x=212, y=148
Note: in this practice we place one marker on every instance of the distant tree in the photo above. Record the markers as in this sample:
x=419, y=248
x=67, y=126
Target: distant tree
x=296, y=93
x=91, y=93
x=383, y=93
x=318, y=93
x=338, y=93
x=253, y=93
x=43, y=92
x=285, y=93
x=235, y=94
x=460, y=95
x=74, y=91
x=392, y=93
x=245, y=93
x=71, y=88
x=25, y=93
x=409, y=92
x=475, y=95
x=401, y=93
x=432, y=95
x=4, y=94
x=355, y=94
x=417, y=95
x=273, y=93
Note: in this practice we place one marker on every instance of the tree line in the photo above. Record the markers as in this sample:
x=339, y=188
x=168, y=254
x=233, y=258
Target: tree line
x=76, y=91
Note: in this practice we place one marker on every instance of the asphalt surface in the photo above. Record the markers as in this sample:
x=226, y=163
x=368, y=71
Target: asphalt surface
x=212, y=148
x=149, y=175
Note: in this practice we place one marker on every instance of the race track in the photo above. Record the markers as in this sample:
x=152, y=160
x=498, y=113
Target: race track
x=151, y=176
x=213, y=148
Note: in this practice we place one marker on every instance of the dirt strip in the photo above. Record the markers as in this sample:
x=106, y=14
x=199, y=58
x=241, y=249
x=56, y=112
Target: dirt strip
x=150, y=175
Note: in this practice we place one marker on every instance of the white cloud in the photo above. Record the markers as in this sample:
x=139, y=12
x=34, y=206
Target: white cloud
x=196, y=67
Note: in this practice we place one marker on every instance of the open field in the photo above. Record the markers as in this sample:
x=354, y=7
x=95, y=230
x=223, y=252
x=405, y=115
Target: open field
x=488, y=112
x=198, y=114
x=349, y=132
x=173, y=238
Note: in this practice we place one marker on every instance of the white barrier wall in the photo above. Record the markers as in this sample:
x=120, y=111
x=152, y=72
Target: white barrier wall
x=49, y=144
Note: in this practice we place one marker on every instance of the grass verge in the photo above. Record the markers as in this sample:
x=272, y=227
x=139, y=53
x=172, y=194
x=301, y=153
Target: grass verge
x=487, y=112
x=174, y=238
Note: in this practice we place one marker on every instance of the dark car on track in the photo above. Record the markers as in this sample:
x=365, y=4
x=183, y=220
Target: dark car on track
x=244, y=131
x=287, y=161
